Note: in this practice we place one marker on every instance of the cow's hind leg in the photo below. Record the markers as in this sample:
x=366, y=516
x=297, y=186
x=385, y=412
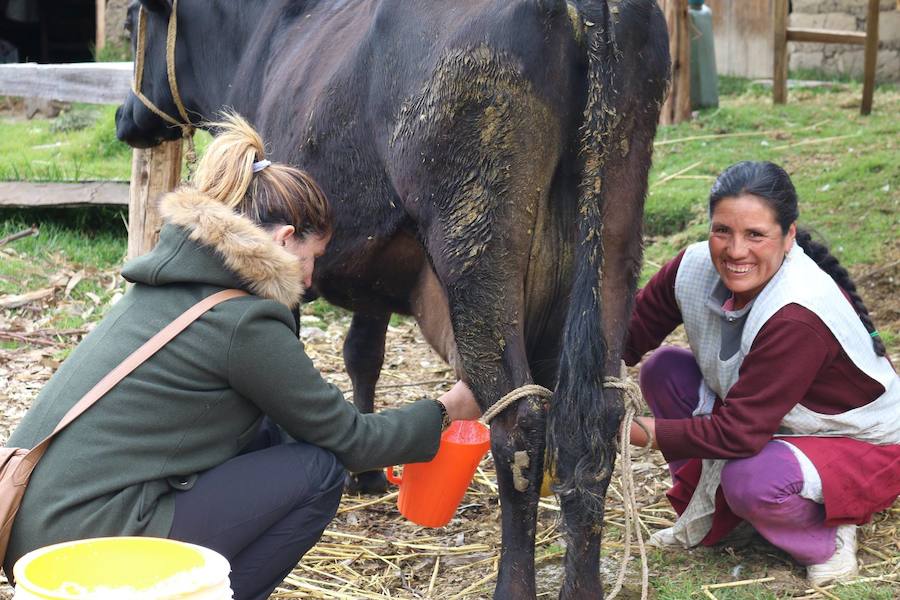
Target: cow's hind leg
x=363, y=358
x=475, y=196
x=486, y=308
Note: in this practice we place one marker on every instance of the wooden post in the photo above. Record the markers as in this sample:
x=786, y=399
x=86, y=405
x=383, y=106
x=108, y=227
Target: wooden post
x=871, y=55
x=677, y=106
x=780, y=68
x=154, y=171
x=100, y=35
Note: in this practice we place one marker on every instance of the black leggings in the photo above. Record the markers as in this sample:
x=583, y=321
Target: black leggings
x=262, y=510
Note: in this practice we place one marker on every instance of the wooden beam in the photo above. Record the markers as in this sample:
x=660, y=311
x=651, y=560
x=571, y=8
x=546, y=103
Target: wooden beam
x=677, y=106
x=154, y=172
x=26, y=194
x=780, y=66
x=99, y=83
x=683, y=100
x=871, y=58
x=100, y=29
x=825, y=36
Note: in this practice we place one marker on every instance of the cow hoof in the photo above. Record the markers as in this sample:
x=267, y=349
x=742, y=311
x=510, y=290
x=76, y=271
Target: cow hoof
x=367, y=482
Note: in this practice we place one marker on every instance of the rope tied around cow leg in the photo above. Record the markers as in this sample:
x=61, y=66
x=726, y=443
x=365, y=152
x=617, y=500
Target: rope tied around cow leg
x=634, y=402
x=530, y=389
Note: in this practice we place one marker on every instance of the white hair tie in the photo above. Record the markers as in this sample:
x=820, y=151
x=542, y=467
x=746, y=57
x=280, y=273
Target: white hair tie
x=260, y=165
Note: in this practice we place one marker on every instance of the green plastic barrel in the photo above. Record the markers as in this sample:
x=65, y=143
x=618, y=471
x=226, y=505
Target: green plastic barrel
x=704, y=80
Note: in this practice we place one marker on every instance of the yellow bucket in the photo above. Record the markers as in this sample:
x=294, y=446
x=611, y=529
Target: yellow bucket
x=124, y=568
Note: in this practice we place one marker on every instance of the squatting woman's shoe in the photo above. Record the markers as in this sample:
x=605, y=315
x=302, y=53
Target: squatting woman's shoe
x=842, y=564
x=663, y=538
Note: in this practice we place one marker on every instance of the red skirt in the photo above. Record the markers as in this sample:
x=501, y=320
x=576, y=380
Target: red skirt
x=858, y=480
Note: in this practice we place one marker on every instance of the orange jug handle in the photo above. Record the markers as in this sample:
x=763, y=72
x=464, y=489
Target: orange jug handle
x=389, y=472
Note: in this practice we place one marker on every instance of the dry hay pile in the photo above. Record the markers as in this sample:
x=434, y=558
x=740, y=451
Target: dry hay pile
x=371, y=551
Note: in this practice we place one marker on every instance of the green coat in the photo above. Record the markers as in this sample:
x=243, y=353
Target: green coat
x=198, y=401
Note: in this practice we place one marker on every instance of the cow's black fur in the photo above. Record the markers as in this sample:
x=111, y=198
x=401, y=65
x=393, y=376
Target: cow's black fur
x=486, y=161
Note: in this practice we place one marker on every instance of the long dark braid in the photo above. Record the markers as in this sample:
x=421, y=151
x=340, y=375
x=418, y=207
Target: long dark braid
x=828, y=263
x=772, y=184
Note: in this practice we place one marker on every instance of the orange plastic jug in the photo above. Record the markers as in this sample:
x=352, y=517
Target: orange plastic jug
x=431, y=491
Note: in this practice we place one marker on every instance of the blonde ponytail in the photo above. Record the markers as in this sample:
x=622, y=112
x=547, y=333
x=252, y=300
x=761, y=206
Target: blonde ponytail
x=226, y=169
x=276, y=194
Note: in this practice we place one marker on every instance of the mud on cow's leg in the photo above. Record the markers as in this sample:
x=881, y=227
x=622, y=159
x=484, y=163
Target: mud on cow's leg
x=363, y=358
x=485, y=294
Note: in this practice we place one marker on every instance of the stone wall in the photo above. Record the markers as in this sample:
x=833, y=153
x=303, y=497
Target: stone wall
x=845, y=59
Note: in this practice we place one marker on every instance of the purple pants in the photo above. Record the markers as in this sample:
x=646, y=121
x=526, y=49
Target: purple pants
x=763, y=489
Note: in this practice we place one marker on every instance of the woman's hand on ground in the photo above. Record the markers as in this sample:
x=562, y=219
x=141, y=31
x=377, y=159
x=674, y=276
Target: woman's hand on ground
x=460, y=403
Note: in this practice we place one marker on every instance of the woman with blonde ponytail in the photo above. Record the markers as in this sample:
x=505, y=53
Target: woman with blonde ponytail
x=228, y=436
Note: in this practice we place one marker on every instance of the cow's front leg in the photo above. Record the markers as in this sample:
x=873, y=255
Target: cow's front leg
x=363, y=359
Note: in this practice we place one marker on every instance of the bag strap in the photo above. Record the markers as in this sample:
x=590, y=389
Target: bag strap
x=134, y=360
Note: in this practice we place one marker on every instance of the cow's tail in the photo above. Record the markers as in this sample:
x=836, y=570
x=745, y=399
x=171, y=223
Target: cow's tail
x=582, y=426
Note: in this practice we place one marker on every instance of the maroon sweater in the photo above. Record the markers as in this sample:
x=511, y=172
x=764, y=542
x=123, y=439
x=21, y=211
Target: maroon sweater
x=794, y=359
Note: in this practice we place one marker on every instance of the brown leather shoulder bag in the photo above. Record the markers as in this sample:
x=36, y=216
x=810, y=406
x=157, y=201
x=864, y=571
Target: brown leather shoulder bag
x=17, y=464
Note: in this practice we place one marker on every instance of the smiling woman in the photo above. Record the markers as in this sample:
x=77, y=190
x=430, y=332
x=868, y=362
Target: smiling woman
x=783, y=411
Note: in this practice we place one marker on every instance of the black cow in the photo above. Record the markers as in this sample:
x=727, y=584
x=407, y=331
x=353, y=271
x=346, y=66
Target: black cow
x=486, y=161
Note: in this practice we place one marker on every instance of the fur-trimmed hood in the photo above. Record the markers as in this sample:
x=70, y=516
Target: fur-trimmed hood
x=242, y=247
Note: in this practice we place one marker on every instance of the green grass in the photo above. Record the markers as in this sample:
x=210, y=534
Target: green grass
x=820, y=75
x=115, y=50
x=78, y=145
x=64, y=246
x=681, y=589
x=85, y=238
x=849, y=187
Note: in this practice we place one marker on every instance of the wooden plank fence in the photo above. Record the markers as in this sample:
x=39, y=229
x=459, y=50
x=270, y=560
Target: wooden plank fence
x=154, y=171
x=26, y=194
x=97, y=83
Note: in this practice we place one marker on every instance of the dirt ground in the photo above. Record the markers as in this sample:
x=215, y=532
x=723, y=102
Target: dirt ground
x=371, y=551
